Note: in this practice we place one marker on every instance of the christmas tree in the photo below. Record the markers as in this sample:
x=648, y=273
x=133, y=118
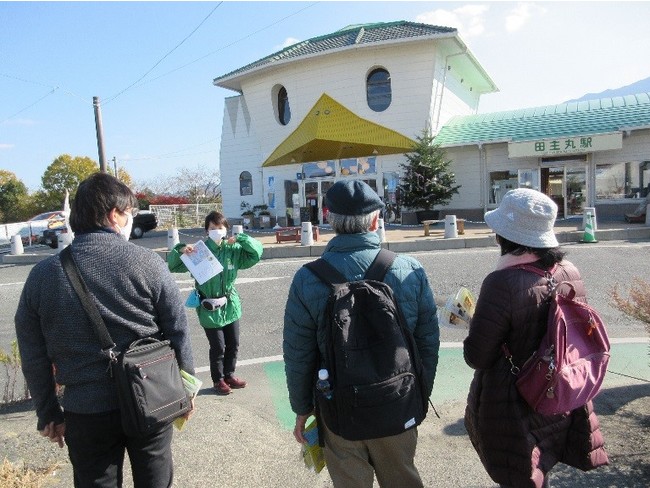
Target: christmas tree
x=427, y=180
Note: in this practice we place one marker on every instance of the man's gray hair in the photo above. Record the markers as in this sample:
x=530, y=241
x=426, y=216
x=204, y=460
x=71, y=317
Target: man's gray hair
x=351, y=224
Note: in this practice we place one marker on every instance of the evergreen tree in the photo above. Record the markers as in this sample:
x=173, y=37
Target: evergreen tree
x=427, y=180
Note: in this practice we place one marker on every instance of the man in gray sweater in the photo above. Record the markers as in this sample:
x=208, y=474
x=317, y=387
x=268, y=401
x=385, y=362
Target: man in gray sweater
x=136, y=297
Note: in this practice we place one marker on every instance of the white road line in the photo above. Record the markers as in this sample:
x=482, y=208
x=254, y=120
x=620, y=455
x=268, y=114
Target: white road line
x=443, y=345
x=12, y=284
x=240, y=281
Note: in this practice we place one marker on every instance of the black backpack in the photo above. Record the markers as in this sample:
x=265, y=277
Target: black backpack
x=375, y=371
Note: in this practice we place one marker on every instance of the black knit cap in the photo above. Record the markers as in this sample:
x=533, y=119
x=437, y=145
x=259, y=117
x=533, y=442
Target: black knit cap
x=352, y=197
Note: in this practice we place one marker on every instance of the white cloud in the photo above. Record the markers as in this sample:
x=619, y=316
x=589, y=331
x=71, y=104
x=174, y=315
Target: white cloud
x=6, y=146
x=519, y=16
x=289, y=41
x=468, y=19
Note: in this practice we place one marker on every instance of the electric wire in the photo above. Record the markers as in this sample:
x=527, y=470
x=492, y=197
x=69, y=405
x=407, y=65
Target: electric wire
x=110, y=99
x=228, y=45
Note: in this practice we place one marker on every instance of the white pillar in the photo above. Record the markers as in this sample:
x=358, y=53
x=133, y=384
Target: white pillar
x=172, y=238
x=381, y=232
x=306, y=235
x=237, y=229
x=17, y=245
x=450, y=227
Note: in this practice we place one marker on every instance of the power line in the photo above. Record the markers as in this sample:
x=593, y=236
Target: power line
x=228, y=45
x=31, y=105
x=110, y=99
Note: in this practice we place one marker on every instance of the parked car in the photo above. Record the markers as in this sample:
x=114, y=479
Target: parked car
x=46, y=220
x=144, y=221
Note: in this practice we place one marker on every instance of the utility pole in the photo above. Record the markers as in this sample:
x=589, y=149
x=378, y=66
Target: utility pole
x=100, y=134
x=115, y=166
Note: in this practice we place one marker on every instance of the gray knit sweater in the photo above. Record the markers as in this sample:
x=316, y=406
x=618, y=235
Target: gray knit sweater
x=136, y=296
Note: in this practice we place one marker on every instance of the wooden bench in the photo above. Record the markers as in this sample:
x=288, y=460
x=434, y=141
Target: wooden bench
x=460, y=225
x=292, y=234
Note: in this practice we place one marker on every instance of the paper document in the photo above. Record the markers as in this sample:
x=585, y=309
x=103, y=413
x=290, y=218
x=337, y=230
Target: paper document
x=312, y=453
x=458, y=310
x=201, y=263
x=192, y=386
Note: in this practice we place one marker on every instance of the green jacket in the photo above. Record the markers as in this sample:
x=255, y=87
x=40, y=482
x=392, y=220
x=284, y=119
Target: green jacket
x=244, y=253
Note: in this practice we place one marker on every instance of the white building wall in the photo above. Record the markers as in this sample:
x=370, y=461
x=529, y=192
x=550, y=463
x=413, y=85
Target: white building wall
x=239, y=152
x=251, y=130
x=342, y=76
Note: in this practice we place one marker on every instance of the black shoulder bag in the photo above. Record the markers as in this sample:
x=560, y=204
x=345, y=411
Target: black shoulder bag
x=149, y=384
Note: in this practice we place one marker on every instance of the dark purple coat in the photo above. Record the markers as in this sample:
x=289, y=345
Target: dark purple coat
x=516, y=445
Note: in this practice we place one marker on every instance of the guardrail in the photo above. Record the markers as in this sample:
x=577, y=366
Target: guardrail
x=183, y=215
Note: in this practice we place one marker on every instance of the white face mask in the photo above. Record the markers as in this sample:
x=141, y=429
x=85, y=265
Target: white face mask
x=217, y=235
x=126, y=230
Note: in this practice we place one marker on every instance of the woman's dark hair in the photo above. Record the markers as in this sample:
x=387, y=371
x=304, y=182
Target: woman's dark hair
x=217, y=218
x=96, y=196
x=547, y=256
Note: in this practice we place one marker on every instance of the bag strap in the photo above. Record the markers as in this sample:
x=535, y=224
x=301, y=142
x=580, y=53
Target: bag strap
x=327, y=273
x=380, y=266
x=552, y=287
x=332, y=276
x=99, y=327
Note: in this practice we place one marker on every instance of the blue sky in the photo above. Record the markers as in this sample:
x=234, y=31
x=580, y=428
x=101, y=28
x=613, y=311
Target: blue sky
x=152, y=64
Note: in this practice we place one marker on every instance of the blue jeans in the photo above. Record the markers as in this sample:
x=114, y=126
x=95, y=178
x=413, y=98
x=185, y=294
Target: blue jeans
x=96, y=447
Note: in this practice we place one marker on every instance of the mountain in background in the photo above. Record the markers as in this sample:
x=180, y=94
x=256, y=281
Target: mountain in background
x=641, y=86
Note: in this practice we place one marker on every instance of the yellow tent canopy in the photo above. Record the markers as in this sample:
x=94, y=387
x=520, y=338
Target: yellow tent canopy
x=331, y=131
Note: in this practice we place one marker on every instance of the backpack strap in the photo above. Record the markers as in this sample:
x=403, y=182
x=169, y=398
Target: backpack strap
x=544, y=273
x=327, y=273
x=380, y=266
x=331, y=276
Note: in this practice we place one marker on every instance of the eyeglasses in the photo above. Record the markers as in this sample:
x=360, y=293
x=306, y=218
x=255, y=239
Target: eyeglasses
x=132, y=210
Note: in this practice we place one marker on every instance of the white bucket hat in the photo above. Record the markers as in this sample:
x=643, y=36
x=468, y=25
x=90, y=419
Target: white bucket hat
x=525, y=217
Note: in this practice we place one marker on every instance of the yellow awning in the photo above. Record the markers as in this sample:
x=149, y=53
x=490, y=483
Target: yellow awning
x=331, y=131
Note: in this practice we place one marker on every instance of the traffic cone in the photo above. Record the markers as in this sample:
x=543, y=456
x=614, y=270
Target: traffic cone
x=589, y=236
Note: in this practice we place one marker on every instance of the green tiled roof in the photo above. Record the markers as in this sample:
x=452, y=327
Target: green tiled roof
x=348, y=36
x=568, y=119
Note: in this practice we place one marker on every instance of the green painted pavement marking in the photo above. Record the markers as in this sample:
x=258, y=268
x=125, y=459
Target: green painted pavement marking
x=454, y=377
x=279, y=394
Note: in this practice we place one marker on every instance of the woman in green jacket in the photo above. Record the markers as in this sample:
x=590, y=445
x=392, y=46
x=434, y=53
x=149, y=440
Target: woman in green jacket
x=220, y=308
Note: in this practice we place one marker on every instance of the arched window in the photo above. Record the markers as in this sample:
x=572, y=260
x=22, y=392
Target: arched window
x=284, y=110
x=245, y=183
x=378, y=89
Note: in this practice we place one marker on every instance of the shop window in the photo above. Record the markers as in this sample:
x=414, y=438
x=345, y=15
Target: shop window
x=319, y=169
x=284, y=110
x=358, y=166
x=622, y=180
x=378, y=90
x=245, y=183
x=501, y=182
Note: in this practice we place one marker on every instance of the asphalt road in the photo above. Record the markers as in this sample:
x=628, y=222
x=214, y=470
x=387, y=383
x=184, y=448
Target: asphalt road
x=251, y=428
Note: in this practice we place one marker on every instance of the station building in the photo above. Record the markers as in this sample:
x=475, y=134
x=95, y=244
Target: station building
x=349, y=105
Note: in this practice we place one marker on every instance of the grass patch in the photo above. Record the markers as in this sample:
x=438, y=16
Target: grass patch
x=20, y=476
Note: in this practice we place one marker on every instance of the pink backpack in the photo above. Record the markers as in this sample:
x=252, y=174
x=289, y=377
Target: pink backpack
x=569, y=366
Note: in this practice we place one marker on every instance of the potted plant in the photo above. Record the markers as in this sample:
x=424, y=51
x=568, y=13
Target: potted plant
x=263, y=214
x=427, y=180
x=247, y=214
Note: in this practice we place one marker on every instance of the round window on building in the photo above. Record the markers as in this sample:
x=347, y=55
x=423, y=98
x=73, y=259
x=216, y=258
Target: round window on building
x=378, y=90
x=283, y=108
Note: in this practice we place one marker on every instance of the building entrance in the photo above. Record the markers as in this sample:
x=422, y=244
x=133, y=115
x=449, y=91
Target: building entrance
x=567, y=187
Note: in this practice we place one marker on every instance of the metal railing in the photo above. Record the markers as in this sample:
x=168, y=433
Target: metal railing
x=183, y=215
